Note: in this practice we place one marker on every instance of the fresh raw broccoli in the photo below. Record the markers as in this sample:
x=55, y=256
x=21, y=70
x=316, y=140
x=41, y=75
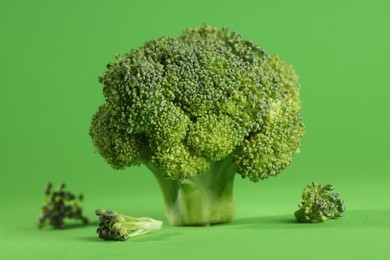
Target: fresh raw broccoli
x=196, y=109
x=319, y=204
x=59, y=205
x=115, y=226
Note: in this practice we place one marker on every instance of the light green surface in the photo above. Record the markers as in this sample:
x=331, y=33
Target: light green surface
x=51, y=54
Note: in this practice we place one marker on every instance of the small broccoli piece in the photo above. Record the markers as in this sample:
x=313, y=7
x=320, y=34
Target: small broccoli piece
x=197, y=110
x=59, y=205
x=115, y=226
x=319, y=204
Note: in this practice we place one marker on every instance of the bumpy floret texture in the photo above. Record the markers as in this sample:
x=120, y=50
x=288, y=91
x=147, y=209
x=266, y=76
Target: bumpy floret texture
x=319, y=204
x=181, y=103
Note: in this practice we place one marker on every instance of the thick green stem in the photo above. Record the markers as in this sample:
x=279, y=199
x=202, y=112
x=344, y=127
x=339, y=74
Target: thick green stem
x=201, y=200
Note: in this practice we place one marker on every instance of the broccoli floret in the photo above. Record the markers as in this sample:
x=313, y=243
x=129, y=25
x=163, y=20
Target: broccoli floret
x=115, y=226
x=197, y=109
x=59, y=205
x=319, y=204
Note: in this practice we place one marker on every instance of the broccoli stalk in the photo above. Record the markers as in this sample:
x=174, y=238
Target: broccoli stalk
x=200, y=200
x=196, y=109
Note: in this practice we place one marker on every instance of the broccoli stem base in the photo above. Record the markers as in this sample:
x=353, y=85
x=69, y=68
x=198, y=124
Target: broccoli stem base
x=201, y=200
x=300, y=215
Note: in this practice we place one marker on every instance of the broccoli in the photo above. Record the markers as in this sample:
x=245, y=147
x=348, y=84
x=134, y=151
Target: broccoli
x=319, y=204
x=197, y=109
x=59, y=205
x=115, y=226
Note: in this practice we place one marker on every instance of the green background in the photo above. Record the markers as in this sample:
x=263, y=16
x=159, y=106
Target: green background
x=51, y=53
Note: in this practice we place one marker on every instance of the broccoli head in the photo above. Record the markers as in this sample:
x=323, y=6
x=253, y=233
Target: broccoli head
x=197, y=109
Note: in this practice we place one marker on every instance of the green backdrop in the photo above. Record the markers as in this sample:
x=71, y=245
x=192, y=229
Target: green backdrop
x=51, y=53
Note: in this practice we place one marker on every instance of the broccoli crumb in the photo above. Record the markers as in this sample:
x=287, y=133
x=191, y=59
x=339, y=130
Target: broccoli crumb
x=319, y=204
x=60, y=204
